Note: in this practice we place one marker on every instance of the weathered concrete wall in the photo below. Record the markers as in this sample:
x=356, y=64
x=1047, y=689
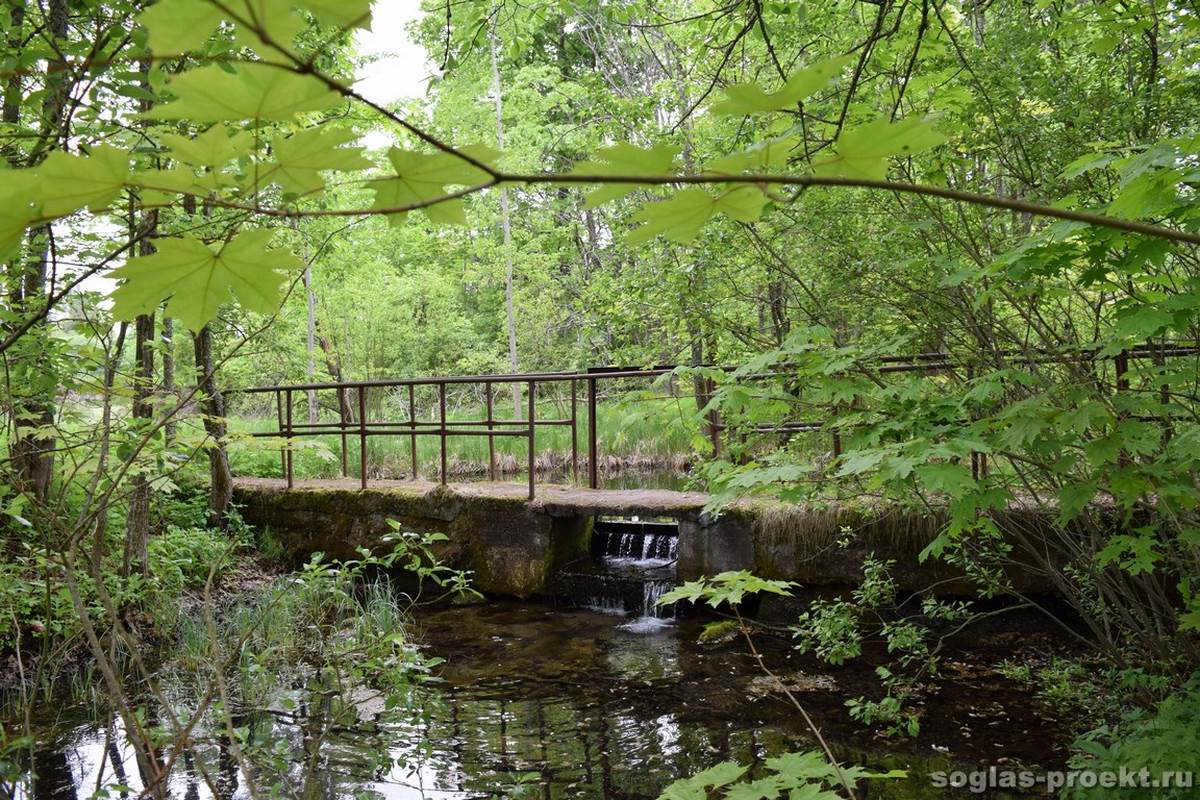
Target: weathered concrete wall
x=513, y=544
x=509, y=546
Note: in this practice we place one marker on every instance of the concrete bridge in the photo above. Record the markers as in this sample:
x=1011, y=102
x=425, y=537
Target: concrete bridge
x=515, y=536
x=514, y=544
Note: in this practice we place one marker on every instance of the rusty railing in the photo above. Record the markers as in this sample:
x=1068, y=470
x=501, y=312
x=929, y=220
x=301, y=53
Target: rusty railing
x=345, y=426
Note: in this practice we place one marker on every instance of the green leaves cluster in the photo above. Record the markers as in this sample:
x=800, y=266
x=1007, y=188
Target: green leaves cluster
x=175, y=27
x=726, y=588
x=195, y=278
x=795, y=776
x=422, y=180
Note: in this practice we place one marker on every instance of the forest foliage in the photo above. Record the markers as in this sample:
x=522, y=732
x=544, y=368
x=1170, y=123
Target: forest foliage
x=799, y=189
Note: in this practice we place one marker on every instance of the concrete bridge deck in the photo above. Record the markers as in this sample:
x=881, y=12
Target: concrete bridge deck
x=554, y=499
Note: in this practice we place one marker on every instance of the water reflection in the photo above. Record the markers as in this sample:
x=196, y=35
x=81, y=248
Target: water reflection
x=543, y=703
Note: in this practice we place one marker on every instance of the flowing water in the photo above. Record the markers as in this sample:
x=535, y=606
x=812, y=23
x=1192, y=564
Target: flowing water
x=604, y=694
x=539, y=701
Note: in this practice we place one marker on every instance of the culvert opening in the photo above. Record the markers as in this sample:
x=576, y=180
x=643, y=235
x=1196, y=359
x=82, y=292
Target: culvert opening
x=632, y=565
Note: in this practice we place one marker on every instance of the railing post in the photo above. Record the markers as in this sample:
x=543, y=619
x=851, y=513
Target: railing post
x=532, y=429
x=574, y=433
x=280, y=428
x=442, y=416
x=342, y=418
x=362, y=435
x=593, y=472
x=290, y=481
x=412, y=425
x=487, y=402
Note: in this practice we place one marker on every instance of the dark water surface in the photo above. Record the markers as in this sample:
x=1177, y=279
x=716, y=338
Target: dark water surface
x=535, y=701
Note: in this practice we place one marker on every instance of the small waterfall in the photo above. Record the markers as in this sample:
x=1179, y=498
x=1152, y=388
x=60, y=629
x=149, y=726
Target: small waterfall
x=647, y=546
x=651, y=593
x=633, y=565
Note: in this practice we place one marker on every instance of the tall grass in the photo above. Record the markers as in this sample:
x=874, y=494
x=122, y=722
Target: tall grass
x=636, y=430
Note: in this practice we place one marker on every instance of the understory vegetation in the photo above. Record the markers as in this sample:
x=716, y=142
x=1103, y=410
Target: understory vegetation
x=939, y=256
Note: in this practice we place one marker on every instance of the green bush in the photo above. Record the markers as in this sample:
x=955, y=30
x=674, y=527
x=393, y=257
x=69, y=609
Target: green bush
x=1166, y=740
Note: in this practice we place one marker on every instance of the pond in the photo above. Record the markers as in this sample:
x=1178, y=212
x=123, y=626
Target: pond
x=538, y=701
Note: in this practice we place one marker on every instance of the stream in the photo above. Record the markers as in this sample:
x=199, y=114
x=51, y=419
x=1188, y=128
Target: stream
x=541, y=701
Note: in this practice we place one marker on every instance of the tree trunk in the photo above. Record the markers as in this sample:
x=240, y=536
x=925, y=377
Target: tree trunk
x=32, y=448
x=10, y=112
x=137, y=520
x=213, y=405
x=168, y=373
x=505, y=222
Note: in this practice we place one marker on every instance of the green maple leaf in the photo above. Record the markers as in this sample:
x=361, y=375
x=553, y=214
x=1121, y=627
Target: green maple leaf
x=422, y=177
x=863, y=151
x=300, y=158
x=749, y=98
x=342, y=13
x=768, y=154
x=18, y=209
x=274, y=19
x=251, y=91
x=198, y=278
x=625, y=159
x=680, y=217
x=174, y=27
x=695, y=787
x=213, y=148
x=160, y=186
x=66, y=183
x=953, y=479
x=767, y=788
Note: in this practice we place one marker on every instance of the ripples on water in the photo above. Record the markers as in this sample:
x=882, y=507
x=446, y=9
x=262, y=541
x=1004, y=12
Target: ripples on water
x=538, y=702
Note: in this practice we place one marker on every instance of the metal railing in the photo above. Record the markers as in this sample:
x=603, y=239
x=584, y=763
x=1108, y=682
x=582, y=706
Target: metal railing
x=491, y=426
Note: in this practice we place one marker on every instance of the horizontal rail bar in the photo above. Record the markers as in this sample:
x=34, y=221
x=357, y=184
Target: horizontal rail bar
x=400, y=431
x=920, y=362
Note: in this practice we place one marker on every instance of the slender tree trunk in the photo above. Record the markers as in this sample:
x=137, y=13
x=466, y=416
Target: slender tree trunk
x=10, y=113
x=505, y=222
x=32, y=448
x=137, y=519
x=168, y=372
x=214, y=425
x=334, y=366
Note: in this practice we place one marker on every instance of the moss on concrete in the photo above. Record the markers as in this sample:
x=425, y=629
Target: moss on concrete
x=513, y=544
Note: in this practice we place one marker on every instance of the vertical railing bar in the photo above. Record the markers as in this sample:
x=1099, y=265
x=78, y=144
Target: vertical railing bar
x=290, y=480
x=362, y=436
x=532, y=429
x=442, y=416
x=412, y=424
x=341, y=398
x=593, y=471
x=487, y=400
x=279, y=428
x=574, y=434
